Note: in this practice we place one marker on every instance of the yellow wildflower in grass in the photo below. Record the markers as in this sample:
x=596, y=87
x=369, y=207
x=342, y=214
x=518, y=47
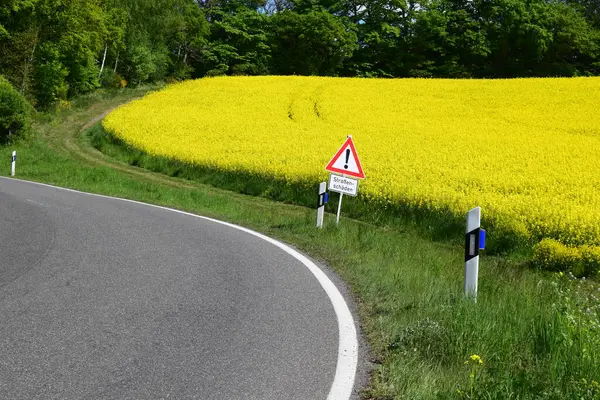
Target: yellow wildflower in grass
x=475, y=362
x=475, y=359
x=525, y=150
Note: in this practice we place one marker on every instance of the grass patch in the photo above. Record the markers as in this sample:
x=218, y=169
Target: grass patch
x=536, y=333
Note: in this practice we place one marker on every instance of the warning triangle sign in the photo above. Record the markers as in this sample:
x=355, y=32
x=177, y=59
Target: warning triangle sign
x=346, y=161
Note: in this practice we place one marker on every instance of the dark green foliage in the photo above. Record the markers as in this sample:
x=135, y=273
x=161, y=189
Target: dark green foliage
x=145, y=63
x=237, y=45
x=15, y=111
x=111, y=80
x=316, y=43
x=52, y=50
x=50, y=75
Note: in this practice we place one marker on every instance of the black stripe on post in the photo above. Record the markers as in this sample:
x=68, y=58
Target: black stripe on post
x=472, y=244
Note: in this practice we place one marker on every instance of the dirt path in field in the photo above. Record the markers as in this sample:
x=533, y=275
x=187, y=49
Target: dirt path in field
x=66, y=136
x=70, y=140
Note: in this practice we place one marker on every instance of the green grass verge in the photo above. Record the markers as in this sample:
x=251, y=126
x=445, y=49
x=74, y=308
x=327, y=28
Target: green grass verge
x=536, y=333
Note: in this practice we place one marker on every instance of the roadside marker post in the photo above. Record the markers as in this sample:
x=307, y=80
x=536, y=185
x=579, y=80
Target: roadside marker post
x=346, y=163
x=323, y=199
x=473, y=243
x=13, y=163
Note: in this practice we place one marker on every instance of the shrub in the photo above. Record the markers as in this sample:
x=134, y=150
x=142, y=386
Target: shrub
x=181, y=72
x=551, y=255
x=15, y=111
x=111, y=80
x=590, y=259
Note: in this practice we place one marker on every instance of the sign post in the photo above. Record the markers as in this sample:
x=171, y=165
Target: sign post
x=346, y=163
x=337, y=219
x=12, y=165
x=472, y=247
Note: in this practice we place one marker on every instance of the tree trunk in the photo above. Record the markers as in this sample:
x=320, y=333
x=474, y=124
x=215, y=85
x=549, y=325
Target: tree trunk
x=116, y=62
x=28, y=62
x=103, y=60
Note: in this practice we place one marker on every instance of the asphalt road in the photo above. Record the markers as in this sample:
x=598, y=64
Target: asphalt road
x=105, y=299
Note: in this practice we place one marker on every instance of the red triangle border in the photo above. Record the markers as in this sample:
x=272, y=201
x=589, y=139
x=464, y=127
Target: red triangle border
x=330, y=168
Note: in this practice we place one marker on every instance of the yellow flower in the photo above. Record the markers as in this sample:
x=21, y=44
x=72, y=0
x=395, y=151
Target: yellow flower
x=476, y=359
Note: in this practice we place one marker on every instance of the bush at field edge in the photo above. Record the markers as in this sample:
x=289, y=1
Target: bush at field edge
x=552, y=255
x=15, y=111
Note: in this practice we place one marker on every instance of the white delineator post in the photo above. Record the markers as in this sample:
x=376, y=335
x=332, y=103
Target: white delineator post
x=12, y=165
x=472, y=252
x=321, y=204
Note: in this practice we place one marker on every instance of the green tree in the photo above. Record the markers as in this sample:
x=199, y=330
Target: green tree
x=19, y=38
x=575, y=46
x=162, y=38
x=51, y=49
x=238, y=44
x=316, y=43
x=54, y=49
x=115, y=23
x=589, y=8
x=384, y=30
x=501, y=38
x=448, y=41
x=190, y=38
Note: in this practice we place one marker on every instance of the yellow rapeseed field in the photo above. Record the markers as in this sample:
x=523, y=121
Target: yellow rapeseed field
x=527, y=150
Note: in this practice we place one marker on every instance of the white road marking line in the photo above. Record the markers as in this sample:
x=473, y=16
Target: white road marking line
x=36, y=203
x=343, y=382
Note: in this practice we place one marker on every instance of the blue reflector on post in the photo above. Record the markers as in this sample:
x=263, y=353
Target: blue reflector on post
x=481, y=239
x=325, y=198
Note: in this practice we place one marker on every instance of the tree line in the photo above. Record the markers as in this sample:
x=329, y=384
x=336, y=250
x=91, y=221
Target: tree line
x=51, y=50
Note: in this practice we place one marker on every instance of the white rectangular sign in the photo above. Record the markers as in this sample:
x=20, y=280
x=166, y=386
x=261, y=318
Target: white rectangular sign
x=343, y=185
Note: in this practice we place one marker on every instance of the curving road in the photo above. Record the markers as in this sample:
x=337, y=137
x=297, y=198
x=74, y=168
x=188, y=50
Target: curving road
x=106, y=299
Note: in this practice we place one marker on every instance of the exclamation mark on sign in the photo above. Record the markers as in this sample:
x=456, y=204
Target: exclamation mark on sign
x=347, y=158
